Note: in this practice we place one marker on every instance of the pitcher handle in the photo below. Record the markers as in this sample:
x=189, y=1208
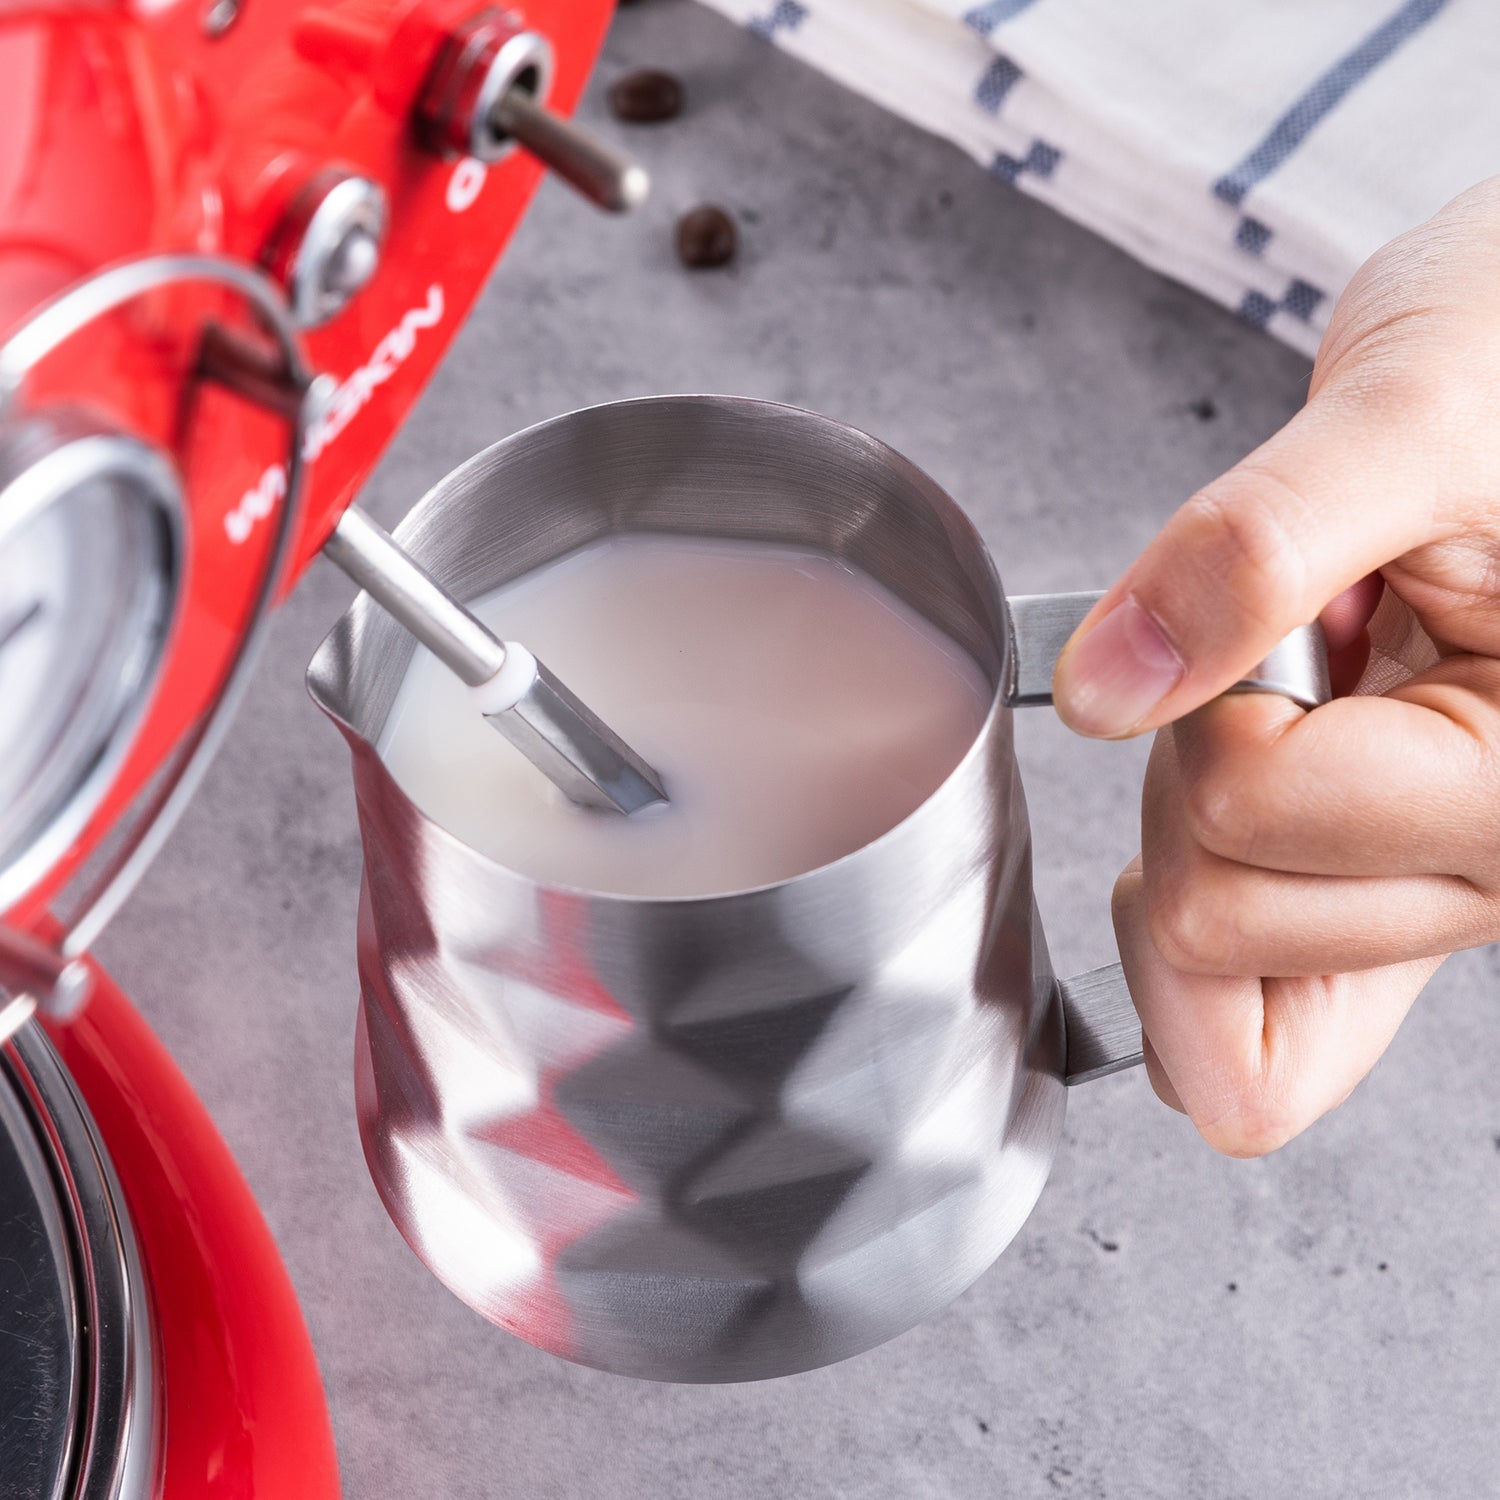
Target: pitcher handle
x=1103, y=1033
x=1042, y=624
x=1099, y=1021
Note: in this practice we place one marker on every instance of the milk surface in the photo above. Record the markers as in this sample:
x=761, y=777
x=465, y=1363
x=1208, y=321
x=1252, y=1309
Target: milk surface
x=795, y=708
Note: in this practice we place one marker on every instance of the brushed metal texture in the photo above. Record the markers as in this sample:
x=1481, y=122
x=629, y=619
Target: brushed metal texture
x=704, y=1139
x=1042, y=624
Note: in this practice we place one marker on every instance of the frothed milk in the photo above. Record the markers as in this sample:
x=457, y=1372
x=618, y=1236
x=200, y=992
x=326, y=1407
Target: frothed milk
x=795, y=708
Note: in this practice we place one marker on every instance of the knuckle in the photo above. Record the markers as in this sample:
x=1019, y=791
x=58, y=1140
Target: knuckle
x=1256, y=556
x=1433, y=401
x=1219, y=818
x=1400, y=376
x=1434, y=397
x=1190, y=932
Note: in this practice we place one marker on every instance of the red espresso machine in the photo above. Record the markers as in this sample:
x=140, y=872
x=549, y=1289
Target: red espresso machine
x=236, y=237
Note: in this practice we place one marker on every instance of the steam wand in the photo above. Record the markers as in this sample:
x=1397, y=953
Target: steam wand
x=558, y=734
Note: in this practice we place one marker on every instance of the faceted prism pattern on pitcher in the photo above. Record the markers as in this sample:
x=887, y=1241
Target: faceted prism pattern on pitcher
x=706, y=1168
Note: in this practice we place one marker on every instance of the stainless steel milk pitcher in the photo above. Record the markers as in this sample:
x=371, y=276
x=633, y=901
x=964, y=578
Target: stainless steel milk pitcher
x=730, y=1137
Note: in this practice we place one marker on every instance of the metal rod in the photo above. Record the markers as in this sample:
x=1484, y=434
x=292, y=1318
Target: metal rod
x=558, y=734
x=603, y=175
x=405, y=589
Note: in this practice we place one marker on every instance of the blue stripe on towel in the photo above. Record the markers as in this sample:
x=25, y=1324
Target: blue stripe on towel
x=995, y=83
x=1325, y=95
x=1300, y=300
x=1256, y=309
x=1040, y=161
x=985, y=18
x=787, y=15
x=1252, y=236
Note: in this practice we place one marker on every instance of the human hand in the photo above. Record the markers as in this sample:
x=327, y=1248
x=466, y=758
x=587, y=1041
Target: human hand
x=1302, y=875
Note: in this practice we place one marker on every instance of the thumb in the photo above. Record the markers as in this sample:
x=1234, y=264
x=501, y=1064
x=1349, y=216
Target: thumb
x=1338, y=492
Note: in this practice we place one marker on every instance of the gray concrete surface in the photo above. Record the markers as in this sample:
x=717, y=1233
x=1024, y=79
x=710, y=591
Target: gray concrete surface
x=1324, y=1323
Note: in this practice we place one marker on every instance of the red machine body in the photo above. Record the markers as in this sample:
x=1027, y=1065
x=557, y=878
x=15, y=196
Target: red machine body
x=244, y=1412
x=179, y=126
x=132, y=132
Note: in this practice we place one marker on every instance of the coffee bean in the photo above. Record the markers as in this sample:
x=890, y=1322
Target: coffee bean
x=644, y=98
x=706, y=238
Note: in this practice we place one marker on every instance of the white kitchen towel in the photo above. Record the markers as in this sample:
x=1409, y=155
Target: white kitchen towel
x=1258, y=150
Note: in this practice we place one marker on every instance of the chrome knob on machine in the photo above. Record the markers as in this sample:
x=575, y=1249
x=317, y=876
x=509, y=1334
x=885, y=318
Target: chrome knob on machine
x=487, y=95
x=557, y=733
x=328, y=244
